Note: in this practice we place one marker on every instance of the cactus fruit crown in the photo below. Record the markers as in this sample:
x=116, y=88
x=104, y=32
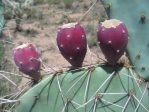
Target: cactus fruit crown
x=22, y=46
x=68, y=25
x=111, y=23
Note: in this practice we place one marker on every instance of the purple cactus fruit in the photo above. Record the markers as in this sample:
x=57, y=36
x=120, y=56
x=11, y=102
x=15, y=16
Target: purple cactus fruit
x=26, y=57
x=112, y=36
x=72, y=43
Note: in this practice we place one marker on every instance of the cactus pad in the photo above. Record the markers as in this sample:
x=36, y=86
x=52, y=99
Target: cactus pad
x=94, y=89
x=1, y=17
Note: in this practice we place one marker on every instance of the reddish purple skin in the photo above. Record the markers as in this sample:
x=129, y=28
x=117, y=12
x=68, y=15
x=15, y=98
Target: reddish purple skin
x=27, y=59
x=119, y=39
x=72, y=47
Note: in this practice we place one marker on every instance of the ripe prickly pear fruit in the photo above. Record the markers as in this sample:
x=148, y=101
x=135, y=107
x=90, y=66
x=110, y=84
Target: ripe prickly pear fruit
x=26, y=57
x=72, y=43
x=112, y=36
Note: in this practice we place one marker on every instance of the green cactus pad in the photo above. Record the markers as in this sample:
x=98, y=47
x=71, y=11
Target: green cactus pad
x=1, y=16
x=94, y=89
x=135, y=14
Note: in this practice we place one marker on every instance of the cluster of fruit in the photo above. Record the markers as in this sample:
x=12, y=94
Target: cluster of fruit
x=112, y=36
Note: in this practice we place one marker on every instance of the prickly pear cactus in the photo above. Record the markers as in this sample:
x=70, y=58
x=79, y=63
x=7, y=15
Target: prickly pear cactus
x=100, y=88
x=135, y=15
x=93, y=89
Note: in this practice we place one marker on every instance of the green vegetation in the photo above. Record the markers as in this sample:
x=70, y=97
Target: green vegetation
x=68, y=3
x=29, y=32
